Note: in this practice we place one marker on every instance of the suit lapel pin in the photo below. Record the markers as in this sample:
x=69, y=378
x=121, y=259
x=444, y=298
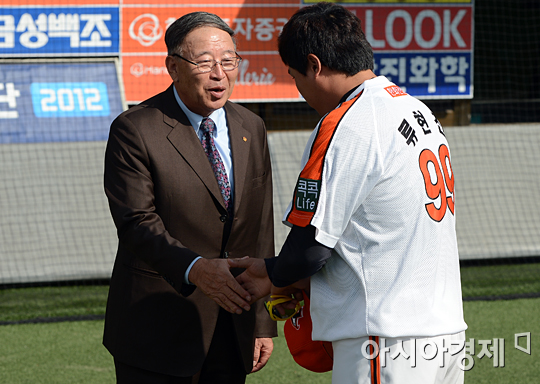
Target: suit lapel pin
x=244, y=138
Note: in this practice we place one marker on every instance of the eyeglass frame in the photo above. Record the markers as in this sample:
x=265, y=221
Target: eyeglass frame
x=280, y=299
x=238, y=57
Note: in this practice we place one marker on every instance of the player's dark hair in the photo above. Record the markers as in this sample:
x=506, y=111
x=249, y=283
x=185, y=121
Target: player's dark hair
x=330, y=32
x=177, y=31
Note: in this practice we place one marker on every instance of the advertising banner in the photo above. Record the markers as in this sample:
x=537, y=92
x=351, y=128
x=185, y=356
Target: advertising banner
x=262, y=76
x=426, y=50
x=59, y=31
x=57, y=102
x=425, y=46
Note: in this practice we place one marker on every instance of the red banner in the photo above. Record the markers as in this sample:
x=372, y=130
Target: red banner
x=256, y=29
x=55, y=3
x=416, y=28
x=261, y=76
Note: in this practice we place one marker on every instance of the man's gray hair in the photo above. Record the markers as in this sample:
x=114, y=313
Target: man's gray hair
x=177, y=32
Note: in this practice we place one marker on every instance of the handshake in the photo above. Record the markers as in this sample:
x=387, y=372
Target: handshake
x=256, y=282
x=214, y=278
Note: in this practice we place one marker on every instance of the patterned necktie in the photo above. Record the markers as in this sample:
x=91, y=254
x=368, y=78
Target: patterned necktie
x=208, y=126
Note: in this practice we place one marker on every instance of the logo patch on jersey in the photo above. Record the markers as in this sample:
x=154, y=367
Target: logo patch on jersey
x=307, y=194
x=395, y=91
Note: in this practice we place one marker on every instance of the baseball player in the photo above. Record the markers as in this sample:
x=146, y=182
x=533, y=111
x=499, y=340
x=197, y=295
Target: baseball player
x=372, y=215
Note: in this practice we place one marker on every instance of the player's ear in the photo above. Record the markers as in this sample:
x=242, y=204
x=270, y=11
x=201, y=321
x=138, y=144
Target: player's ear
x=314, y=64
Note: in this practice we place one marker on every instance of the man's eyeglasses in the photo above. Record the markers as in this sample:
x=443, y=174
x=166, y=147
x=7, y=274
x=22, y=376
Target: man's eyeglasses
x=279, y=299
x=205, y=66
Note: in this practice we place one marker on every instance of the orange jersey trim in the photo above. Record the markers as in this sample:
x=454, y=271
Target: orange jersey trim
x=314, y=167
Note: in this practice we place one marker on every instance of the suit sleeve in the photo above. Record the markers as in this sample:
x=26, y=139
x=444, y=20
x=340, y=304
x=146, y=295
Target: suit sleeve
x=130, y=191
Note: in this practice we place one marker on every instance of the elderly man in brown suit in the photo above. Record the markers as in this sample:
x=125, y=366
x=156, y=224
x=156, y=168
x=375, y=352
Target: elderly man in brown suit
x=188, y=178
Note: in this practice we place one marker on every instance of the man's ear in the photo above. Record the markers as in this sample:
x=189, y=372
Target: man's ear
x=172, y=68
x=314, y=64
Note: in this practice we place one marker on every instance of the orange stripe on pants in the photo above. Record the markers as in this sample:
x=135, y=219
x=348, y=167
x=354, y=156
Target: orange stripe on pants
x=375, y=363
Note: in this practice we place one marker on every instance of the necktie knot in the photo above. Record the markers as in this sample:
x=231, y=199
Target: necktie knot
x=208, y=125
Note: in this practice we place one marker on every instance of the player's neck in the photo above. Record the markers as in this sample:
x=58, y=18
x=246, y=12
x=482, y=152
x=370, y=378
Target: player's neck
x=337, y=84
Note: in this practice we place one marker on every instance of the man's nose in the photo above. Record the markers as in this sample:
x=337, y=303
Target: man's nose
x=217, y=70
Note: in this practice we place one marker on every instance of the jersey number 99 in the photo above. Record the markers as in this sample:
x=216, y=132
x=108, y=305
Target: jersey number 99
x=436, y=186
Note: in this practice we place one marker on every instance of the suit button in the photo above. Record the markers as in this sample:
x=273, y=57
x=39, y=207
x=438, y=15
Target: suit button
x=223, y=218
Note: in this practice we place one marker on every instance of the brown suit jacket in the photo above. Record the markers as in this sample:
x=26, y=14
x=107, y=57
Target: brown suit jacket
x=168, y=209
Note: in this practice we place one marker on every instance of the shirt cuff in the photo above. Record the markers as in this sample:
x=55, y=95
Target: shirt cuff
x=186, y=280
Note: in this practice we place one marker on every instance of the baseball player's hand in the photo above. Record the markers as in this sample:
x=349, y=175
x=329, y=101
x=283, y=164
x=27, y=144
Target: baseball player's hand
x=296, y=291
x=254, y=279
x=214, y=278
x=263, y=349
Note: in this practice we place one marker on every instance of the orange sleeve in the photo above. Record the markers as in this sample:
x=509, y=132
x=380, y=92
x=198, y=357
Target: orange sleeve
x=308, y=187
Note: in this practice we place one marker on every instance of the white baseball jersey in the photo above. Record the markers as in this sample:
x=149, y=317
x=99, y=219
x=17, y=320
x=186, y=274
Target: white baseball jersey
x=377, y=184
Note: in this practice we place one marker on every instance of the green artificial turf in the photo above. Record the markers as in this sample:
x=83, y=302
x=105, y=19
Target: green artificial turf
x=56, y=353
x=46, y=302
x=71, y=352
x=500, y=280
x=503, y=319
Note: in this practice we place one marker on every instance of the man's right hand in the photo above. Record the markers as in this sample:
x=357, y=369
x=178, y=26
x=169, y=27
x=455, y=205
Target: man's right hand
x=214, y=278
x=255, y=278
